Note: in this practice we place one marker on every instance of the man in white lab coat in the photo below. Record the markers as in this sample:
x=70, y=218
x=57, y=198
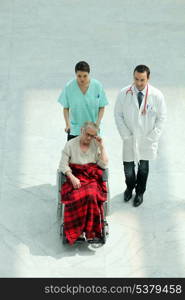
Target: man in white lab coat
x=140, y=113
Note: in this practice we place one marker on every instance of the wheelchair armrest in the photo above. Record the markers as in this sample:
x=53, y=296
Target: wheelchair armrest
x=61, y=178
x=105, y=174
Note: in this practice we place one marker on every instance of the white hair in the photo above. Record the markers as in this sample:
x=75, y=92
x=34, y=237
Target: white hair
x=91, y=125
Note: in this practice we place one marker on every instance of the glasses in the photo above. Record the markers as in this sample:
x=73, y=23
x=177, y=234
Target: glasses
x=90, y=135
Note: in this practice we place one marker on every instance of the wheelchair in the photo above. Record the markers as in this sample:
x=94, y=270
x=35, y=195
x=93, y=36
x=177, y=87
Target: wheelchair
x=61, y=179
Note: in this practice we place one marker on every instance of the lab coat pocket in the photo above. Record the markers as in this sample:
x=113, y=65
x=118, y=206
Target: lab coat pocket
x=151, y=111
x=147, y=144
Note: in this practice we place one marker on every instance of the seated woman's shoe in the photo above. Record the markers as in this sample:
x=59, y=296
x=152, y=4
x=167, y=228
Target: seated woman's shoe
x=81, y=238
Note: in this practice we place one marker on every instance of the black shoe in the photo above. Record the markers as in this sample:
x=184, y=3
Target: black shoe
x=138, y=200
x=127, y=195
x=80, y=240
x=94, y=241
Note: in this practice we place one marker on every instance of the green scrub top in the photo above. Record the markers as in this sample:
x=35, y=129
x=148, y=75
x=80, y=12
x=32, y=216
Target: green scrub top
x=82, y=107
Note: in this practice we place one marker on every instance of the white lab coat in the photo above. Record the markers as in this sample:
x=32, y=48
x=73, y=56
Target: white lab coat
x=140, y=132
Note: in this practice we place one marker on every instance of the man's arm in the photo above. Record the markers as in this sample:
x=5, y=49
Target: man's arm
x=123, y=130
x=66, y=118
x=100, y=115
x=155, y=134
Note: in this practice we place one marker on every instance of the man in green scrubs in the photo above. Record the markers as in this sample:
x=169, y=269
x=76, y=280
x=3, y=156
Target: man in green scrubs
x=83, y=99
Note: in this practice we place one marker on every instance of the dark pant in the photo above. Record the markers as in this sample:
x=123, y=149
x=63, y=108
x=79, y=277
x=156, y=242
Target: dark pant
x=69, y=136
x=137, y=181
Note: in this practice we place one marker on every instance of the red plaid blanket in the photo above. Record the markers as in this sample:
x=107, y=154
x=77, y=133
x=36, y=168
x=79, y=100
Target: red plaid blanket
x=84, y=206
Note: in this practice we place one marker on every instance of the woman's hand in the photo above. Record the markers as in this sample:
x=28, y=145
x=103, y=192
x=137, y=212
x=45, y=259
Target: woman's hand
x=74, y=180
x=67, y=129
x=99, y=141
x=103, y=155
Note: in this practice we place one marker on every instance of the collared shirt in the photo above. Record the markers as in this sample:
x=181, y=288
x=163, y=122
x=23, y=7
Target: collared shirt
x=82, y=107
x=143, y=91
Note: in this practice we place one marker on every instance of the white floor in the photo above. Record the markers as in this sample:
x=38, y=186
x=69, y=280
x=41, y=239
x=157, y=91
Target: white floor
x=41, y=41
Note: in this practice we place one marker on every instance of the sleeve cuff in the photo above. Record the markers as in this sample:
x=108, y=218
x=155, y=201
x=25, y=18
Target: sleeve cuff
x=101, y=164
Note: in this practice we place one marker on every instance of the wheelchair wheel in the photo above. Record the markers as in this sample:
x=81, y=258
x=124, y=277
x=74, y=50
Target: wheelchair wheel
x=105, y=232
x=64, y=240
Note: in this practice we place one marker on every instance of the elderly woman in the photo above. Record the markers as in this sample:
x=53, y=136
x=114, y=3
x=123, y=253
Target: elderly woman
x=83, y=160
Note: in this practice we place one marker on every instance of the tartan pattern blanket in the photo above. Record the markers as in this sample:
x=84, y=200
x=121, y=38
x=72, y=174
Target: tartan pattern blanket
x=84, y=206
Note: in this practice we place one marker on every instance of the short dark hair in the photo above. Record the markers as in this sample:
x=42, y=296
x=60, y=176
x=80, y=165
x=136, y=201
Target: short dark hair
x=142, y=69
x=82, y=66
